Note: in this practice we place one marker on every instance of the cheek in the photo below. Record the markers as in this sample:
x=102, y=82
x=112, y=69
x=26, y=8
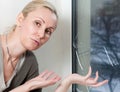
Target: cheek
x=43, y=41
x=25, y=33
x=27, y=29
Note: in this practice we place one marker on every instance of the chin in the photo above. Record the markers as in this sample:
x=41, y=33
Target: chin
x=33, y=48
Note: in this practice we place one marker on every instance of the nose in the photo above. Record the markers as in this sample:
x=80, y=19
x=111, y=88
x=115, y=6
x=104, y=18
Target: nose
x=41, y=33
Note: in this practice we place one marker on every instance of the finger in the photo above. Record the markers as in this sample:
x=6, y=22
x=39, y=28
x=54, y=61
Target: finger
x=43, y=73
x=48, y=75
x=96, y=78
x=56, y=78
x=93, y=81
x=89, y=73
x=99, y=83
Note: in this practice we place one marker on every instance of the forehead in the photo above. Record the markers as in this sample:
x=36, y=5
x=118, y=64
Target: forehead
x=47, y=15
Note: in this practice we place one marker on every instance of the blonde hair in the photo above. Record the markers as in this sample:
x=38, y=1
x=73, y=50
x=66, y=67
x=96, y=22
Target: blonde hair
x=31, y=6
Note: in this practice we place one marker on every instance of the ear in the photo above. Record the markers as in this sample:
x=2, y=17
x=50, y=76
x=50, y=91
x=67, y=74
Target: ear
x=19, y=19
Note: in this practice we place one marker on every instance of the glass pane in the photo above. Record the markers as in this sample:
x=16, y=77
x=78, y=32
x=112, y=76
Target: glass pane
x=81, y=41
x=105, y=43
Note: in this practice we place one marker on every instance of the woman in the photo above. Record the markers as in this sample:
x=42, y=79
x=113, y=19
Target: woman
x=19, y=69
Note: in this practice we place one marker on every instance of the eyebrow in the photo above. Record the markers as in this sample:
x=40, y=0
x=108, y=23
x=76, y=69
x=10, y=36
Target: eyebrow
x=44, y=22
x=41, y=19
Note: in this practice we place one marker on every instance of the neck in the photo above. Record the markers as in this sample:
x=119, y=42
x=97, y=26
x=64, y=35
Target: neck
x=12, y=45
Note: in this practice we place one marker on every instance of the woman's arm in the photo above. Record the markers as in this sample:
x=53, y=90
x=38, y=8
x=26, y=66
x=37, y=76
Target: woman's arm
x=49, y=78
x=81, y=80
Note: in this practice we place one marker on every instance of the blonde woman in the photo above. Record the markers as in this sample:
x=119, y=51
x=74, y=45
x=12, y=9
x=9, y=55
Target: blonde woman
x=18, y=66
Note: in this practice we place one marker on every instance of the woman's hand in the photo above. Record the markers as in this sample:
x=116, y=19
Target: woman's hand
x=86, y=80
x=45, y=79
x=80, y=80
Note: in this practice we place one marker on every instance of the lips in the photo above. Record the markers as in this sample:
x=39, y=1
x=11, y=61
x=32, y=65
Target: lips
x=36, y=42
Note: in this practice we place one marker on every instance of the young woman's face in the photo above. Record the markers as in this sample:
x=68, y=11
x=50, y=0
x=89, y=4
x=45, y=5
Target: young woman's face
x=37, y=28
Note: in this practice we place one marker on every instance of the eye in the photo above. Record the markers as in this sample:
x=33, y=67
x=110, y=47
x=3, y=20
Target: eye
x=38, y=24
x=48, y=31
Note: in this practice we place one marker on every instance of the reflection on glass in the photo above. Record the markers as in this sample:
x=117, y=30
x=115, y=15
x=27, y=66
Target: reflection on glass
x=105, y=43
x=81, y=40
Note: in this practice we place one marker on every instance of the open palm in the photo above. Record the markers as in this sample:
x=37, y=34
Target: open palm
x=87, y=80
x=45, y=79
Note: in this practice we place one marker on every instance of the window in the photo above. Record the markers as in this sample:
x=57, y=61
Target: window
x=96, y=42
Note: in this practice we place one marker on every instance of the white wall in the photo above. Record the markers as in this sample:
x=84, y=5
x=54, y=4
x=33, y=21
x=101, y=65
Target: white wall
x=56, y=54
